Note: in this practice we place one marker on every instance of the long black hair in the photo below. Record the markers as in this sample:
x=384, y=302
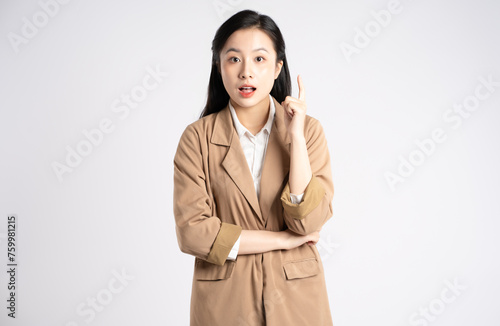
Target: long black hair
x=218, y=97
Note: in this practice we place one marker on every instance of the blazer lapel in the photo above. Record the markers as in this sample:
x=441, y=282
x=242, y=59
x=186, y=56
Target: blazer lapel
x=235, y=162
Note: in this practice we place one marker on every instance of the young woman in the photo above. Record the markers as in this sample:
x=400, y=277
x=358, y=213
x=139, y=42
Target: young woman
x=253, y=187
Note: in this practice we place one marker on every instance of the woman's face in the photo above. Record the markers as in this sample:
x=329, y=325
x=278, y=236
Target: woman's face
x=249, y=58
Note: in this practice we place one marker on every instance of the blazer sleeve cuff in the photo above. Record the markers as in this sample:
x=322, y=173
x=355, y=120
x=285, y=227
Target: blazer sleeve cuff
x=313, y=194
x=224, y=242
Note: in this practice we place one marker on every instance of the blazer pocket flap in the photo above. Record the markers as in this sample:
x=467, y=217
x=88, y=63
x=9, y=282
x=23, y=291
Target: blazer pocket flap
x=301, y=268
x=204, y=270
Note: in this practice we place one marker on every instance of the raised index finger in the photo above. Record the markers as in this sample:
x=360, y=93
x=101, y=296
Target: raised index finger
x=302, y=91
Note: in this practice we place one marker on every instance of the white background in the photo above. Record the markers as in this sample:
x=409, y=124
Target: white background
x=387, y=252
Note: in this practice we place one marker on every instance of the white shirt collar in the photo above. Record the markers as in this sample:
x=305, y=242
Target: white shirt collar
x=241, y=130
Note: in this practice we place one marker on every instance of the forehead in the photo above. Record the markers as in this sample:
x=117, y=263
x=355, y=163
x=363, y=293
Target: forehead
x=248, y=40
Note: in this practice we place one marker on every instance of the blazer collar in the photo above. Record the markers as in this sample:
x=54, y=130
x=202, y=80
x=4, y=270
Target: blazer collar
x=242, y=130
x=224, y=129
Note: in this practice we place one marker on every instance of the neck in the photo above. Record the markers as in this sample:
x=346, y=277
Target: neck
x=253, y=118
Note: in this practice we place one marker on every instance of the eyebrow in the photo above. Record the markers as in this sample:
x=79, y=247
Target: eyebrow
x=237, y=50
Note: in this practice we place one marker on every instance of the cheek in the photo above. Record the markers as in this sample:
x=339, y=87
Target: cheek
x=225, y=70
x=226, y=77
x=268, y=74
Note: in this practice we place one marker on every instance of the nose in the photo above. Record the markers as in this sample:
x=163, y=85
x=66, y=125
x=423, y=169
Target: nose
x=246, y=70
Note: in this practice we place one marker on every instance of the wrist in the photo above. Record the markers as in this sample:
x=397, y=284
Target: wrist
x=285, y=240
x=298, y=137
x=280, y=240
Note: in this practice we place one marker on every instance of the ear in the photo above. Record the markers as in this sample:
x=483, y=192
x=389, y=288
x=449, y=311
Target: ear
x=277, y=71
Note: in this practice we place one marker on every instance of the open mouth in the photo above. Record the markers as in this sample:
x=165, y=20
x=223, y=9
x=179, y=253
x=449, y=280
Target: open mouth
x=247, y=89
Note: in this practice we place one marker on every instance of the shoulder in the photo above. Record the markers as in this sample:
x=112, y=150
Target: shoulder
x=200, y=128
x=312, y=122
x=190, y=145
x=312, y=127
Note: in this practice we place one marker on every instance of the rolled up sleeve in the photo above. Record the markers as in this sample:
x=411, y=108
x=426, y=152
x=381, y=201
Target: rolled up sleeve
x=225, y=241
x=199, y=232
x=316, y=206
x=296, y=198
x=234, y=250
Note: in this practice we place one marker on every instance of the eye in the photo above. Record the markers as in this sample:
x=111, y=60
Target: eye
x=262, y=59
x=233, y=59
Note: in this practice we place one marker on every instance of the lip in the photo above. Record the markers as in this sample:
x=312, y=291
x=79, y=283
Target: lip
x=246, y=93
x=247, y=85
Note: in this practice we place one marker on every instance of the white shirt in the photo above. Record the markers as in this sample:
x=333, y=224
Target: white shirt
x=254, y=148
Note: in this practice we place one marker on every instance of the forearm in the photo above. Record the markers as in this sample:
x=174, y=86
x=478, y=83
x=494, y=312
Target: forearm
x=258, y=241
x=300, y=167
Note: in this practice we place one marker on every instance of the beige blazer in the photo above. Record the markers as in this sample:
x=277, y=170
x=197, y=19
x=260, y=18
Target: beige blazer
x=215, y=198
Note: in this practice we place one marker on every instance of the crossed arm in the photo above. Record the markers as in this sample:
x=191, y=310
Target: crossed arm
x=310, y=173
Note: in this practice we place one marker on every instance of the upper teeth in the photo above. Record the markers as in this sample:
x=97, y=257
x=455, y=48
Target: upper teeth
x=247, y=87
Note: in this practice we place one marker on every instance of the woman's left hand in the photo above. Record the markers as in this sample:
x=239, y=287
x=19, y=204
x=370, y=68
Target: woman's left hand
x=295, y=112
